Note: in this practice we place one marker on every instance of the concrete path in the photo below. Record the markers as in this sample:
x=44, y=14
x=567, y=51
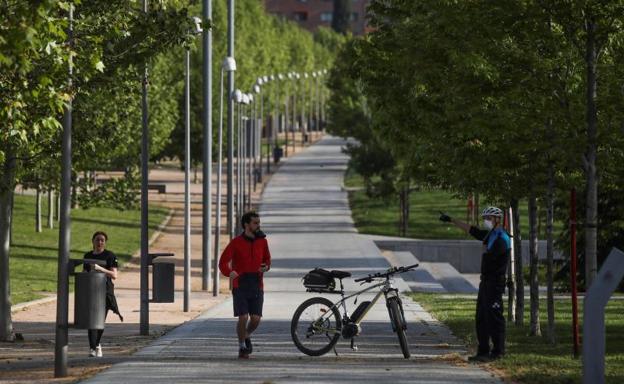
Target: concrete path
x=306, y=215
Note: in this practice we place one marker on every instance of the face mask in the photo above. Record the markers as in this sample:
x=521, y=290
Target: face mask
x=488, y=224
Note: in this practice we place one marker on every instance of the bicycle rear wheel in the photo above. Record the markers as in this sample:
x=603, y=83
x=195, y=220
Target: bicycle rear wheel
x=315, y=326
x=398, y=323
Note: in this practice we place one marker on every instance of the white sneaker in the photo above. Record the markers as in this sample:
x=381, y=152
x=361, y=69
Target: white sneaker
x=92, y=353
x=98, y=351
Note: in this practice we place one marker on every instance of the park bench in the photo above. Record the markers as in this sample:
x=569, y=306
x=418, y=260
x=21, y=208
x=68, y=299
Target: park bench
x=161, y=188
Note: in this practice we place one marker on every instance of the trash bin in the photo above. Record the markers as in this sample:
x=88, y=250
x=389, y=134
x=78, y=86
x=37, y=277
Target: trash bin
x=163, y=277
x=306, y=138
x=90, y=300
x=278, y=152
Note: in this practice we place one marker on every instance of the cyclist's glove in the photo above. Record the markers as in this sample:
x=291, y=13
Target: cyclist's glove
x=444, y=217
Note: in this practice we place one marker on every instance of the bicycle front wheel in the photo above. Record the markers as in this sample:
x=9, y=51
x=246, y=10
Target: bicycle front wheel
x=315, y=326
x=398, y=323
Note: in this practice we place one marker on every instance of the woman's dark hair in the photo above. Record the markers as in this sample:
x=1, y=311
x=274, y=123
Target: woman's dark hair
x=246, y=219
x=99, y=233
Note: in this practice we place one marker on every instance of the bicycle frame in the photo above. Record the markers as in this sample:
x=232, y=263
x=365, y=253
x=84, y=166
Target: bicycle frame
x=386, y=288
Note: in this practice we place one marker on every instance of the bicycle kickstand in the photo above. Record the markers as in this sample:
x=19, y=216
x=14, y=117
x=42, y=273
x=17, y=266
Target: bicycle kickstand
x=336, y=352
x=353, y=346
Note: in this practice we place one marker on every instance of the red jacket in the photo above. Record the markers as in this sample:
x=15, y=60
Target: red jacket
x=244, y=256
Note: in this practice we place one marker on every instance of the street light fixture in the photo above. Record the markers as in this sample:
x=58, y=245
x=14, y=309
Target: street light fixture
x=228, y=65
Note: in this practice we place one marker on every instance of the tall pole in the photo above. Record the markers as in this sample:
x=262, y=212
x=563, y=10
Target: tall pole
x=271, y=127
x=144, y=315
x=575, y=330
x=62, y=302
x=215, y=269
x=187, y=184
x=207, y=144
x=294, y=111
x=262, y=133
x=311, y=106
x=230, y=126
x=238, y=164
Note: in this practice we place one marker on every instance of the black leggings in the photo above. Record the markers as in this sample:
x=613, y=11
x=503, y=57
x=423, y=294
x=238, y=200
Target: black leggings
x=95, y=335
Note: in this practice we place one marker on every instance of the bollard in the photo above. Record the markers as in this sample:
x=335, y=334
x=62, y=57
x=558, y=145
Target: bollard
x=90, y=300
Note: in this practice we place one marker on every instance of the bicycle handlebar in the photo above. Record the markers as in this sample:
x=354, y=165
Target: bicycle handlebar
x=386, y=274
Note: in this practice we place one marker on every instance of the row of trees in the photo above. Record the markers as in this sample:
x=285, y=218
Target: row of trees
x=509, y=100
x=112, y=41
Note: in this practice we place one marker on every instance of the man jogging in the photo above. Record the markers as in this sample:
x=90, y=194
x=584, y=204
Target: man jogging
x=245, y=260
x=490, y=322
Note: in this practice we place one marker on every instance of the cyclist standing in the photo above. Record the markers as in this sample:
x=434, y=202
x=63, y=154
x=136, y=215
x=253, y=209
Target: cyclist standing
x=490, y=321
x=245, y=260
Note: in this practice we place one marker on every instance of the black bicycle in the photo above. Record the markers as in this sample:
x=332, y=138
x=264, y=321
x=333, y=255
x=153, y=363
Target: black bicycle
x=317, y=323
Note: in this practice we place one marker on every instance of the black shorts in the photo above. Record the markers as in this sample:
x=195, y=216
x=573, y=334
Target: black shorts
x=247, y=301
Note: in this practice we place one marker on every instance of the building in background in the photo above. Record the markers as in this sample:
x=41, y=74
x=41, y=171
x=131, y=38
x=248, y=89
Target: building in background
x=311, y=14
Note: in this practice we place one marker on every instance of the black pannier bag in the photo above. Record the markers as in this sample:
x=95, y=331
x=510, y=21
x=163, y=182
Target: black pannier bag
x=319, y=279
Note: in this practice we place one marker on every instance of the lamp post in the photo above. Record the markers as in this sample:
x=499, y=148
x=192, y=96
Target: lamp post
x=187, y=186
x=323, y=115
x=317, y=103
x=207, y=145
x=144, y=285
x=258, y=91
x=246, y=143
x=238, y=98
x=228, y=65
x=187, y=170
x=304, y=118
x=311, y=123
x=230, y=125
x=62, y=303
x=294, y=108
x=287, y=103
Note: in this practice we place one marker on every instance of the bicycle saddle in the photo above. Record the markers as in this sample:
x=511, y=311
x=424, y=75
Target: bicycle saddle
x=340, y=274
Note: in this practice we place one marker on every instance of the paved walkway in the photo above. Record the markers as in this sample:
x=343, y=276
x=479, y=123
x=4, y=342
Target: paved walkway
x=306, y=215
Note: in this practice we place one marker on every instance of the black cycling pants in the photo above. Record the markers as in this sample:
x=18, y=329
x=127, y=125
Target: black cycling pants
x=489, y=318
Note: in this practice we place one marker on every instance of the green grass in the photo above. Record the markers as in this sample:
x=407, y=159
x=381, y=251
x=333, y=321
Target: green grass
x=34, y=256
x=381, y=217
x=533, y=359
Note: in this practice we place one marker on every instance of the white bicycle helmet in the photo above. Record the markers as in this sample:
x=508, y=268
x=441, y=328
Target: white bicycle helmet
x=492, y=211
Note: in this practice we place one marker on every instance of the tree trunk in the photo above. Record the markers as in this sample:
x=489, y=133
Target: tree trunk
x=50, y=208
x=476, y=209
x=511, y=275
x=58, y=207
x=591, y=213
x=38, y=227
x=12, y=209
x=402, y=212
x=74, y=191
x=518, y=258
x=6, y=196
x=550, y=301
x=533, y=263
x=406, y=208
